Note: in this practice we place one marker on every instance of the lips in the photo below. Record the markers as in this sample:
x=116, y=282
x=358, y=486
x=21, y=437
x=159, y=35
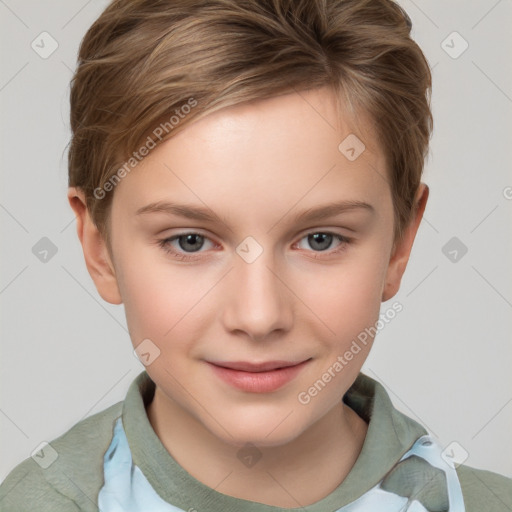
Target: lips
x=261, y=377
x=245, y=366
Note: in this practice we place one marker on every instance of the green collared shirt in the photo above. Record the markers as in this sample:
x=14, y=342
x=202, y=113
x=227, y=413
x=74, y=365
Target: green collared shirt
x=69, y=473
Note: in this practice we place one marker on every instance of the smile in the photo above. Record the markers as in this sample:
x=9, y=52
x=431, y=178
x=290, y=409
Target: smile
x=257, y=377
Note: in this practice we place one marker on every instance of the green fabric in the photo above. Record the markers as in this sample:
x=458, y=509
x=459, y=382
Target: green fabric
x=73, y=481
x=485, y=491
x=415, y=477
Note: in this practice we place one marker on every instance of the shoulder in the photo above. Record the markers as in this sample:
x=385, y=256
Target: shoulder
x=26, y=489
x=485, y=490
x=67, y=473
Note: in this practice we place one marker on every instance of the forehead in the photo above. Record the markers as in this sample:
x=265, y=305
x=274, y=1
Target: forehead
x=266, y=151
x=307, y=114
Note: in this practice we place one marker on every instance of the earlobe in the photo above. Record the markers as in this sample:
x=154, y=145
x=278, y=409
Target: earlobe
x=400, y=255
x=97, y=257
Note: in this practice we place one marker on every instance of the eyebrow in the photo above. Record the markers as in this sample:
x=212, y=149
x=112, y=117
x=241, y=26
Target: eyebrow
x=207, y=215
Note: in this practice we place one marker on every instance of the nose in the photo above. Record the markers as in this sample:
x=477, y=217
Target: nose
x=258, y=303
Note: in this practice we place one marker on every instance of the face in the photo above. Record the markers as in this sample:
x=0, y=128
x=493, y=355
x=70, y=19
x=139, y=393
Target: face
x=224, y=261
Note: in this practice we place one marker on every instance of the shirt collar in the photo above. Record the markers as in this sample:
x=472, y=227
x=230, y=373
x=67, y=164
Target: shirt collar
x=390, y=434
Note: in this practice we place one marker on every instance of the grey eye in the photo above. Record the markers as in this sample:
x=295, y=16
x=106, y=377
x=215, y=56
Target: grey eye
x=191, y=241
x=320, y=241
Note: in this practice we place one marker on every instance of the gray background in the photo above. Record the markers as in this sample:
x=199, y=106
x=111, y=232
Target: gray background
x=445, y=359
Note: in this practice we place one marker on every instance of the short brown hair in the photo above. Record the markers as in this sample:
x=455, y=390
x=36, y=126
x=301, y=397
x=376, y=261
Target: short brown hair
x=143, y=60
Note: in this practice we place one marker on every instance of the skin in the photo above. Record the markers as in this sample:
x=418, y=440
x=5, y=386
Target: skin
x=255, y=166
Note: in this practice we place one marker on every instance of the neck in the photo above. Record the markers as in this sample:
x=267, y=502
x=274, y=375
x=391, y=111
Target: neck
x=295, y=474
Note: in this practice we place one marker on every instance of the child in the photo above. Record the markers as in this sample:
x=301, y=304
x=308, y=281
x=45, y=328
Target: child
x=286, y=139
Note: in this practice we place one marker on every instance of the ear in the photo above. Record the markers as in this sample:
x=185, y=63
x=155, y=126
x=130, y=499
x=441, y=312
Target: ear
x=402, y=250
x=97, y=257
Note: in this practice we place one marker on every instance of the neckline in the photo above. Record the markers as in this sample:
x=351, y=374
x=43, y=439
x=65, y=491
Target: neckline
x=389, y=435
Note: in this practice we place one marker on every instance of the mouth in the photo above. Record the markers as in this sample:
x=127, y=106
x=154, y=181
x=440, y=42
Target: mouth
x=261, y=377
x=245, y=366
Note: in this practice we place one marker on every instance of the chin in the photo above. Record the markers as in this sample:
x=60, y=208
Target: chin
x=264, y=430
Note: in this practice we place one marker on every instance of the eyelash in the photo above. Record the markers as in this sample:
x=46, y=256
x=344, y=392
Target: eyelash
x=165, y=244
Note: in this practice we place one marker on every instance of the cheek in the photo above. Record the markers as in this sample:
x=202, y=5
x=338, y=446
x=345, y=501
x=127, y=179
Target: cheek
x=161, y=301
x=345, y=298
